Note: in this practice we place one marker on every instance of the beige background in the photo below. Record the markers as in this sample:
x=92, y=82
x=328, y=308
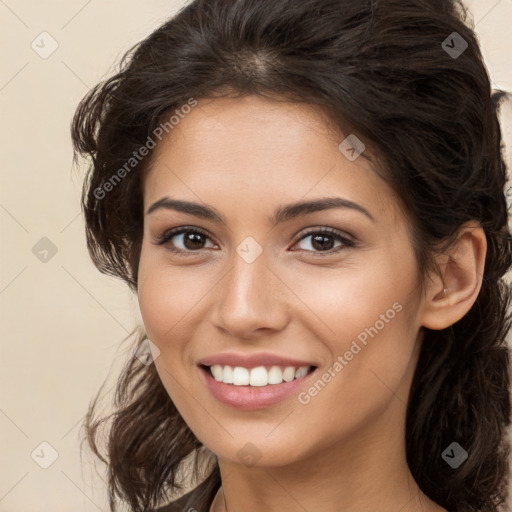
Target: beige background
x=63, y=322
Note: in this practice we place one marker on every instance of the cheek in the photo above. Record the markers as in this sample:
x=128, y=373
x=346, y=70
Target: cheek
x=343, y=302
x=167, y=295
x=366, y=318
x=365, y=378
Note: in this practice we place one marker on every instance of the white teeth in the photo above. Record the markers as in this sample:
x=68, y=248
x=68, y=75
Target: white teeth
x=301, y=372
x=240, y=376
x=227, y=376
x=275, y=375
x=289, y=373
x=258, y=376
x=217, y=372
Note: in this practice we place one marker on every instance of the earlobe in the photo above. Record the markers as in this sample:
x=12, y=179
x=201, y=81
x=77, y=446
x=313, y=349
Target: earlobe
x=453, y=291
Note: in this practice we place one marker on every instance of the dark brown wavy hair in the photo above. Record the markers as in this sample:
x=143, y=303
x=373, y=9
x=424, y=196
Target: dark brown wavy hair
x=382, y=71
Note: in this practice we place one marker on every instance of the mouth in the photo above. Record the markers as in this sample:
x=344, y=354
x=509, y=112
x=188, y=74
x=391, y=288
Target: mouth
x=255, y=388
x=259, y=376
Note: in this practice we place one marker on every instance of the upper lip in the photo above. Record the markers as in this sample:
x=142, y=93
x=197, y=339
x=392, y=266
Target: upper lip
x=252, y=360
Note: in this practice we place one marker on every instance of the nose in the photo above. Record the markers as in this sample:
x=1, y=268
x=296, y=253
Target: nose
x=250, y=300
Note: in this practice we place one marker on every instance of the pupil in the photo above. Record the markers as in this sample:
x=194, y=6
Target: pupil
x=322, y=242
x=191, y=239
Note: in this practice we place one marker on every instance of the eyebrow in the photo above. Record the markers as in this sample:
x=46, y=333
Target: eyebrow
x=282, y=214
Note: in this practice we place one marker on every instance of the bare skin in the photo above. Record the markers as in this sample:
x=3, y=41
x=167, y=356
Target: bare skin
x=344, y=449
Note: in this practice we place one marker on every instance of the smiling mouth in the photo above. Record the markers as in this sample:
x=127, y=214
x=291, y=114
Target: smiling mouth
x=258, y=376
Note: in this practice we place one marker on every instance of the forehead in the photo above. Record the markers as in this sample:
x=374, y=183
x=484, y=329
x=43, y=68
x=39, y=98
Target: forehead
x=253, y=123
x=255, y=148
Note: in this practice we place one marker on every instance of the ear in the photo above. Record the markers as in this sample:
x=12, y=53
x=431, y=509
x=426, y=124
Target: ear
x=453, y=290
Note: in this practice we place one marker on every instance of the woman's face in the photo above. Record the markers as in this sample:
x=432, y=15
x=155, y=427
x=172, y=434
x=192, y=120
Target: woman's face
x=334, y=286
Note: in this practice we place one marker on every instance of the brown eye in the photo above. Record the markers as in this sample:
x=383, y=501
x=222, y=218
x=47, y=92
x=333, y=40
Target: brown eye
x=193, y=240
x=324, y=241
x=185, y=240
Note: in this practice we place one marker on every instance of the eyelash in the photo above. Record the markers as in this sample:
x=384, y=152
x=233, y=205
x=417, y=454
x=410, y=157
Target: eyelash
x=346, y=242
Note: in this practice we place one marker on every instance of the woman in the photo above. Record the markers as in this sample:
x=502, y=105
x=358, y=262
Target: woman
x=308, y=199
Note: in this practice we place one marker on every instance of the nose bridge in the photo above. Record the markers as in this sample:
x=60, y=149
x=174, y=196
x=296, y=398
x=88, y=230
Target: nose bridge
x=249, y=298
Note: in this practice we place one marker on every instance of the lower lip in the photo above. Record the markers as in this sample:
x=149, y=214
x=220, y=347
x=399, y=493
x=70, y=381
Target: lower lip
x=252, y=397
